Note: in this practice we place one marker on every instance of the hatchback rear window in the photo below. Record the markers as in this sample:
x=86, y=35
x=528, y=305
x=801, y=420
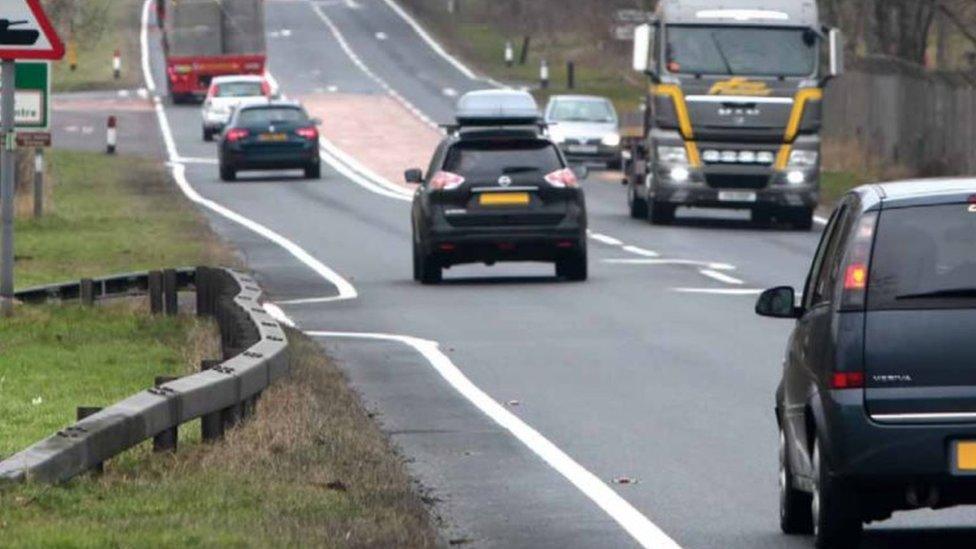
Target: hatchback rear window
x=279, y=115
x=924, y=258
x=495, y=159
x=239, y=89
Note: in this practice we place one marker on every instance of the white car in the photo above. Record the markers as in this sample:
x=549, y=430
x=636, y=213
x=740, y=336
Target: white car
x=226, y=93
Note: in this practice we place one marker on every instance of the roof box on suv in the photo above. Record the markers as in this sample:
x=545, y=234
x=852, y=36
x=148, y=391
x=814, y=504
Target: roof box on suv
x=488, y=108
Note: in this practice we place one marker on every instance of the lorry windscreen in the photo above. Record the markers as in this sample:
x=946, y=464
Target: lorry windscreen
x=742, y=51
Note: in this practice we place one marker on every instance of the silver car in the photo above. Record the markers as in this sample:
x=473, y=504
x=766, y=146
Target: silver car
x=586, y=128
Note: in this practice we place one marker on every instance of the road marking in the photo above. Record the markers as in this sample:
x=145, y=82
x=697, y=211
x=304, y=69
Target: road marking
x=719, y=291
x=277, y=314
x=688, y=262
x=381, y=36
x=608, y=240
x=820, y=220
x=309, y=301
x=641, y=251
x=353, y=5
x=449, y=92
x=645, y=532
x=721, y=277
x=347, y=49
x=438, y=49
x=345, y=289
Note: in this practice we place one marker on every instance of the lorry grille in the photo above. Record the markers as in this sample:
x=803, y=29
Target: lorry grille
x=721, y=181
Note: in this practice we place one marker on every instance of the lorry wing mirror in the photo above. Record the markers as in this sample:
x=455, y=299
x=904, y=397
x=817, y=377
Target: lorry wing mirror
x=836, y=41
x=644, y=36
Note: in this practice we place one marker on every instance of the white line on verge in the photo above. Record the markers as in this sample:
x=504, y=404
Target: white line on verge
x=636, y=524
x=345, y=289
x=721, y=277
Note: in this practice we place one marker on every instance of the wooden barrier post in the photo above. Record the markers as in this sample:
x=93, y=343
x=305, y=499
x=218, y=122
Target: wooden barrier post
x=171, y=301
x=155, y=292
x=86, y=292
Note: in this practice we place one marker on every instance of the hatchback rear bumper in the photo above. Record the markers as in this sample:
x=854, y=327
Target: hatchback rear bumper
x=307, y=156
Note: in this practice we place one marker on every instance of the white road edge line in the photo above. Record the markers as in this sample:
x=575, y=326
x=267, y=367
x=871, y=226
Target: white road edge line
x=636, y=524
x=434, y=45
x=721, y=277
x=345, y=289
x=820, y=220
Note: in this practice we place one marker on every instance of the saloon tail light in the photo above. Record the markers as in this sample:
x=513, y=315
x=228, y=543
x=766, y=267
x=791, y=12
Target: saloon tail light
x=309, y=133
x=446, y=181
x=564, y=178
x=236, y=134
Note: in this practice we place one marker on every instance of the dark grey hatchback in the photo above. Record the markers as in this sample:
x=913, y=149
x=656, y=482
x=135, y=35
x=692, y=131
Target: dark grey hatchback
x=278, y=135
x=877, y=404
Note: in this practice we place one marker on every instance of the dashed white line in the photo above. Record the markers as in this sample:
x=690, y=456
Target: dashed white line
x=608, y=240
x=645, y=532
x=640, y=251
x=720, y=291
x=721, y=277
x=449, y=92
x=662, y=261
x=381, y=36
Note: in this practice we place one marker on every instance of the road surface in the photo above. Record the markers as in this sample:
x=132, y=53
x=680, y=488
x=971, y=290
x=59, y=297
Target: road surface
x=633, y=408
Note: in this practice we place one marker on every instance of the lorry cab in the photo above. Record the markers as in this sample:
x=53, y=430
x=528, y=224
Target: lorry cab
x=733, y=108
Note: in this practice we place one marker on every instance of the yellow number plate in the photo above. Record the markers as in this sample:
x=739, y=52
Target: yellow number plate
x=273, y=137
x=966, y=456
x=504, y=199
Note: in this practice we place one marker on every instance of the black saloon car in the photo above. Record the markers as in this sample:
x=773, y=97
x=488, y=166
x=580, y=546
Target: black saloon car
x=270, y=136
x=498, y=189
x=877, y=403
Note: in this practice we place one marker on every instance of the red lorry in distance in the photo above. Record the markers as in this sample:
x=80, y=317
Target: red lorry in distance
x=203, y=39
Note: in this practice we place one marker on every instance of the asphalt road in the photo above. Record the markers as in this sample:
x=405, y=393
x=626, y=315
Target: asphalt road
x=655, y=370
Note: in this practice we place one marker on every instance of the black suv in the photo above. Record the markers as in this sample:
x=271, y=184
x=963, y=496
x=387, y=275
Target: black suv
x=497, y=189
x=877, y=404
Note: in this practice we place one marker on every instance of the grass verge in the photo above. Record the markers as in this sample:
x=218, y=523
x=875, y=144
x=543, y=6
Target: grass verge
x=112, y=214
x=310, y=469
x=99, y=28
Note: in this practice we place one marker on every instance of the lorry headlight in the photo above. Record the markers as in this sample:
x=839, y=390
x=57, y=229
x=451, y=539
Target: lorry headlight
x=680, y=174
x=803, y=159
x=672, y=155
x=795, y=177
x=611, y=139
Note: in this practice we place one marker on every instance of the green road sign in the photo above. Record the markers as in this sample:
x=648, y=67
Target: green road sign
x=33, y=100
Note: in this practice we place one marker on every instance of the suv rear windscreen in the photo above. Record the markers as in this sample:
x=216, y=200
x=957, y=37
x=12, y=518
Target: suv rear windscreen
x=491, y=160
x=924, y=258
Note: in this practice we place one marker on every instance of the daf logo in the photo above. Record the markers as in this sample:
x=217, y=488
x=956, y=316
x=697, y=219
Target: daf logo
x=504, y=181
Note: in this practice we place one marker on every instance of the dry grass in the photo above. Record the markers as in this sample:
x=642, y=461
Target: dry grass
x=309, y=469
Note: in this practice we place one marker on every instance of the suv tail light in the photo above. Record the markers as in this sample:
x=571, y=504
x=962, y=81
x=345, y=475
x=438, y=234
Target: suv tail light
x=857, y=264
x=446, y=181
x=236, y=134
x=564, y=178
x=265, y=88
x=309, y=133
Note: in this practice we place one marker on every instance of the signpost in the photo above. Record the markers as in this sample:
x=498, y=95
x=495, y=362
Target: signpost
x=625, y=21
x=25, y=33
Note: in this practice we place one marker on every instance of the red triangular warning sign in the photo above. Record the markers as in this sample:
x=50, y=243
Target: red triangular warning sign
x=26, y=32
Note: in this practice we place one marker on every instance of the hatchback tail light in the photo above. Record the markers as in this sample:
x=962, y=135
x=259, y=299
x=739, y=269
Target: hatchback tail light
x=309, y=133
x=857, y=264
x=265, y=88
x=564, y=178
x=446, y=181
x=847, y=380
x=236, y=134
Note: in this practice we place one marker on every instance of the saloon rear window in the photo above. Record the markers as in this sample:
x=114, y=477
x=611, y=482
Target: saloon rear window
x=924, y=258
x=491, y=159
x=273, y=115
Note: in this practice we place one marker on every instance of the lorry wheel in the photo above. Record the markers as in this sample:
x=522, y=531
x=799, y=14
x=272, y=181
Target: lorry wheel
x=660, y=213
x=227, y=173
x=573, y=268
x=836, y=522
x=638, y=206
x=795, y=512
x=313, y=171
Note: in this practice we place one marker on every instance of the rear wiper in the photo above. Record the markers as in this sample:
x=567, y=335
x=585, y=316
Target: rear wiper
x=519, y=169
x=947, y=293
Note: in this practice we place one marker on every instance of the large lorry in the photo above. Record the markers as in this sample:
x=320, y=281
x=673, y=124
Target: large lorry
x=204, y=39
x=733, y=113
